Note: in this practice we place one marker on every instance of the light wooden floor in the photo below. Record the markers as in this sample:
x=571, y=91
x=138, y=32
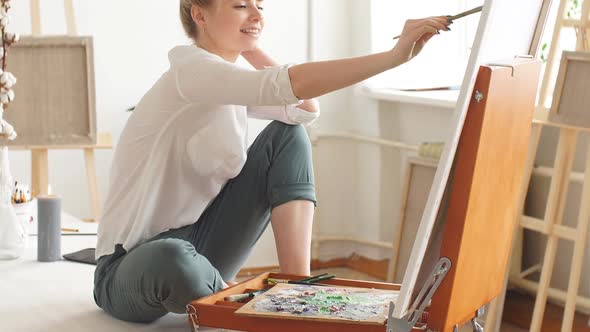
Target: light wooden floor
x=519, y=311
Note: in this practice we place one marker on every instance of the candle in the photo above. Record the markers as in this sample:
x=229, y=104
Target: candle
x=49, y=228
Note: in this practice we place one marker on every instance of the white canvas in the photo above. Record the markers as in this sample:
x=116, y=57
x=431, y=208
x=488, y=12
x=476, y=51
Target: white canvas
x=506, y=28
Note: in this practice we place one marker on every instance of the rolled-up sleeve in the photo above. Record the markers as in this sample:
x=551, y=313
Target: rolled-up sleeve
x=215, y=81
x=288, y=114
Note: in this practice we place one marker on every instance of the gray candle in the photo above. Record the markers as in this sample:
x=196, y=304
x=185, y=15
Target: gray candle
x=49, y=228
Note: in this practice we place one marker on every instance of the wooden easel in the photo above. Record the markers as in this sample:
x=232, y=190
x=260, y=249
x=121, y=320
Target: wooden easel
x=560, y=179
x=39, y=154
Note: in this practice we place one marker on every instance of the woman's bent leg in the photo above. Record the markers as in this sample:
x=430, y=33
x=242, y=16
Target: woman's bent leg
x=181, y=265
x=153, y=279
x=278, y=170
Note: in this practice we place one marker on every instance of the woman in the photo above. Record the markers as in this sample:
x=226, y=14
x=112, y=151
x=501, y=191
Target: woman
x=187, y=200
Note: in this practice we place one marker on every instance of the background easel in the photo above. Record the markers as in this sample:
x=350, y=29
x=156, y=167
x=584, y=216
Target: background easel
x=560, y=176
x=39, y=154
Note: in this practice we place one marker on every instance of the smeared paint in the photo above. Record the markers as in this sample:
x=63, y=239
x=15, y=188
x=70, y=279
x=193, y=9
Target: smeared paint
x=312, y=301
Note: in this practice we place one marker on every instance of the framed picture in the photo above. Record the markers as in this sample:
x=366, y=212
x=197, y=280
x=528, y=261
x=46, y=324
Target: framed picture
x=417, y=184
x=55, y=92
x=570, y=104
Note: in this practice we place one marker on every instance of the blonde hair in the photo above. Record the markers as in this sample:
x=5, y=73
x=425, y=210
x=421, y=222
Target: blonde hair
x=186, y=18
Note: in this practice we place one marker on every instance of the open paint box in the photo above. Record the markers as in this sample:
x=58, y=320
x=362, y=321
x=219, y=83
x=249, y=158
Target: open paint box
x=214, y=311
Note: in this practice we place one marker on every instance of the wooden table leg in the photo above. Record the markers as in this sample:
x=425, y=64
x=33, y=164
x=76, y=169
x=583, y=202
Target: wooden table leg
x=39, y=172
x=92, y=183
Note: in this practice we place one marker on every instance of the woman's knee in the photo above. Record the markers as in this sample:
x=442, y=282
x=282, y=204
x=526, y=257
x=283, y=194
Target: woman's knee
x=187, y=274
x=171, y=250
x=295, y=136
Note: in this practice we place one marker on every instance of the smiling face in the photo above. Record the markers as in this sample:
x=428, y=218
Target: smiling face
x=229, y=27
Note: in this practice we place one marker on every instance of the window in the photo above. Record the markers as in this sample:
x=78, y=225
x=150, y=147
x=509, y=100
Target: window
x=443, y=61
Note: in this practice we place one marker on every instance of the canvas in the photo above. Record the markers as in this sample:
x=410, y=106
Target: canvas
x=55, y=97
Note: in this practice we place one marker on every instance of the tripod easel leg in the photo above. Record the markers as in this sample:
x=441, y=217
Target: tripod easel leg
x=39, y=172
x=579, y=245
x=70, y=18
x=36, y=17
x=553, y=216
x=92, y=183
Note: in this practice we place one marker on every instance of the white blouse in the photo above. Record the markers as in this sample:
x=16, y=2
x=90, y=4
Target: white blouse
x=186, y=138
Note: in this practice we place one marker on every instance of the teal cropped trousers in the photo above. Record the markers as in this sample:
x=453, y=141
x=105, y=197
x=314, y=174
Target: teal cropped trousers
x=172, y=269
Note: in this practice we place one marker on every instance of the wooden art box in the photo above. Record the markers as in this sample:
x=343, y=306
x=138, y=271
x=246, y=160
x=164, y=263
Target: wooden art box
x=214, y=311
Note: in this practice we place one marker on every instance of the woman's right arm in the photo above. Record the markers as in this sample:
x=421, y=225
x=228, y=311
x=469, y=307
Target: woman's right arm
x=310, y=80
x=210, y=79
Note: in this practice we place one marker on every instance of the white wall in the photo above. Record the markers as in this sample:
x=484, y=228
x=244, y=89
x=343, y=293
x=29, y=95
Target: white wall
x=359, y=185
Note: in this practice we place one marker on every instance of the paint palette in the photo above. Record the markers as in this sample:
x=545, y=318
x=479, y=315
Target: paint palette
x=290, y=301
x=343, y=306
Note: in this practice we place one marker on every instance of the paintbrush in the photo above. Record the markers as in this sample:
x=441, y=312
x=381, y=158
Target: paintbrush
x=466, y=13
x=286, y=281
x=307, y=281
x=460, y=15
x=241, y=297
x=321, y=278
x=313, y=277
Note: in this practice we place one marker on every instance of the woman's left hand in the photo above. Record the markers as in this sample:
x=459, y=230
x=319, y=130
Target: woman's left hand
x=258, y=58
x=251, y=53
